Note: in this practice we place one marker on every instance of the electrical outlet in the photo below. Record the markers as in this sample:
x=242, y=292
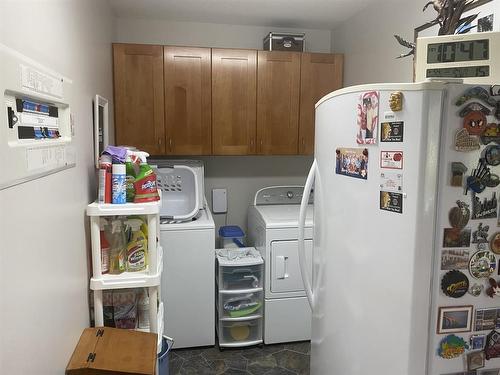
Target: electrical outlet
x=219, y=201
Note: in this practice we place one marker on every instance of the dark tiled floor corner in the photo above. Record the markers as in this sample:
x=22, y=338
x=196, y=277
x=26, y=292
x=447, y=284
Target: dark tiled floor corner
x=279, y=359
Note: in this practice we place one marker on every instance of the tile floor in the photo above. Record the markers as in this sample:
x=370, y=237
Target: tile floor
x=278, y=359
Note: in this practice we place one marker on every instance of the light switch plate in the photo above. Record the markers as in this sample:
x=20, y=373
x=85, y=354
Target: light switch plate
x=219, y=201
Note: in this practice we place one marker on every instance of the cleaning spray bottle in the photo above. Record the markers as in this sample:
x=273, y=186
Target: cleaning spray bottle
x=117, y=256
x=146, y=189
x=137, y=248
x=129, y=177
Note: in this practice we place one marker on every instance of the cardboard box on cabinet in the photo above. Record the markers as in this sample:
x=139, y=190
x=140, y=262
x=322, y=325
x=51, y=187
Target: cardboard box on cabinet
x=112, y=351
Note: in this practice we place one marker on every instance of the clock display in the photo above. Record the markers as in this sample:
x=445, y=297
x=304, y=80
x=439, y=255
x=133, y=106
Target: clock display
x=459, y=72
x=471, y=50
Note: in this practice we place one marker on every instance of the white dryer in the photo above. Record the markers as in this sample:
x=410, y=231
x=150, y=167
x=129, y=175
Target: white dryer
x=273, y=230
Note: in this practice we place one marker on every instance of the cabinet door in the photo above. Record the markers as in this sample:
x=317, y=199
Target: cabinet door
x=321, y=73
x=188, y=100
x=234, y=89
x=278, y=80
x=138, y=84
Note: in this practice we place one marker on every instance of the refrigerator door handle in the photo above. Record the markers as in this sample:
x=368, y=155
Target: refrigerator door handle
x=301, y=244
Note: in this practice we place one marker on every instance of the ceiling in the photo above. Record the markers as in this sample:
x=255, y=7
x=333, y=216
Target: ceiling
x=312, y=14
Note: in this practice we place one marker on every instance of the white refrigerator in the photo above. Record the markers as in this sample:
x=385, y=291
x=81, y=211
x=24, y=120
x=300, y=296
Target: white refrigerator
x=402, y=255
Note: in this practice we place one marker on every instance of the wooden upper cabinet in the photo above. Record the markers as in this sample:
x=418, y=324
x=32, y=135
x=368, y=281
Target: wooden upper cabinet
x=234, y=86
x=278, y=84
x=187, y=100
x=138, y=86
x=321, y=73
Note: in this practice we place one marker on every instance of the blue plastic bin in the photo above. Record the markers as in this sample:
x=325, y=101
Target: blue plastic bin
x=163, y=356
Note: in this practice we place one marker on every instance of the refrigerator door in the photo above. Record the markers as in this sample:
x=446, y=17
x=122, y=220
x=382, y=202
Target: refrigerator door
x=371, y=296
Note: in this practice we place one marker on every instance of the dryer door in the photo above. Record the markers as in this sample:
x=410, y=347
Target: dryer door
x=285, y=269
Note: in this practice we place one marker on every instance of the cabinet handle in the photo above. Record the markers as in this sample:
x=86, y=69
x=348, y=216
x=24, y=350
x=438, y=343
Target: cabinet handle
x=159, y=141
x=170, y=144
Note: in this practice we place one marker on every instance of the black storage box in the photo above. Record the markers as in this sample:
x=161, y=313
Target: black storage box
x=284, y=42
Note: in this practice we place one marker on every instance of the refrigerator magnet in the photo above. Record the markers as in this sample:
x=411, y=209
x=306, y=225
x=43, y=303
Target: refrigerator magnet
x=454, y=259
x=494, y=288
x=352, y=162
x=484, y=209
x=482, y=264
x=454, y=284
x=480, y=235
x=391, y=159
x=465, y=142
x=475, y=360
x=396, y=101
x=392, y=131
x=367, y=118
x=476, y=290
x=491, y=133
x=452, y=346
x=475, y=122
x=456, y=237
x=391, y=181
x=474, y=107
x=457, y=174
x=459, y=216
x=486, y=319
x=477, y=342
x=492, y=347
x=453, y=319
x=391, y=201
x=495, y=243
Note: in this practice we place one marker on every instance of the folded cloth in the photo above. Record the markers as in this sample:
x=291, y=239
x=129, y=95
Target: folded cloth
x=118, y=154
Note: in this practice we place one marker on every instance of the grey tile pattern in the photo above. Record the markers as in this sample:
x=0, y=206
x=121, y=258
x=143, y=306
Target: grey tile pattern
x=278, y=359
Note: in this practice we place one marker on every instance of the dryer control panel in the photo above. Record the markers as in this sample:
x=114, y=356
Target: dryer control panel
x=281, y=195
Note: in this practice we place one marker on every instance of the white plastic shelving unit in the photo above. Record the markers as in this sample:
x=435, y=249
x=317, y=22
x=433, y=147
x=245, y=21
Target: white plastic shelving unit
x=150, y=278
x=239, y=276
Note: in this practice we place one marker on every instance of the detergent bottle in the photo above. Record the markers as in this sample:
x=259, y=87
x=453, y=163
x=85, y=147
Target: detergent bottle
x=117, y=255
x=146, y=189
x=137, y=247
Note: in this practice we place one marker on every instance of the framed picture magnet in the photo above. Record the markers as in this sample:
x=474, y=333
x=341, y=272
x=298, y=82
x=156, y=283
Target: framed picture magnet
x=391, y=181
x=475, y=360
x=453, y=319
x=477, y=342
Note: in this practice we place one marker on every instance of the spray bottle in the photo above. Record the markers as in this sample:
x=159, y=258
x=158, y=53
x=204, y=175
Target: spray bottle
x=136, y=247
x=146, y=189
x=117, y=256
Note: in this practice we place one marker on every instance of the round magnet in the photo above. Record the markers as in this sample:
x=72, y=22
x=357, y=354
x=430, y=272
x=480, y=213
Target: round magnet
x=476, y=290
x=492, y=180
x=459, y=216
x=475, y=122
x=454, y=284
x=495, y=243
x=482, y=264
x=492, y=155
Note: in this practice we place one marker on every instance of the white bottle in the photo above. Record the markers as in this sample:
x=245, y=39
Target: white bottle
x=143, y=310
x=119, y=184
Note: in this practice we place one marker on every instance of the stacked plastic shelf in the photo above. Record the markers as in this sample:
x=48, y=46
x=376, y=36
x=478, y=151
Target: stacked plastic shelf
x=239, y=297
x=149, y=278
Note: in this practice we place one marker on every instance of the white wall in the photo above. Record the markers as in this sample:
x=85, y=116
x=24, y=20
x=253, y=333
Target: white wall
x=208, y=34
x=369, y=46
x=43, y=266
x=242, y=176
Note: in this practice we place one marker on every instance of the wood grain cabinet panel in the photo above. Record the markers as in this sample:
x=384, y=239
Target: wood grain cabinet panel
x=321, y=73
x=187, y=100
x=234, y=89
x=139, y=104
x=278, y=85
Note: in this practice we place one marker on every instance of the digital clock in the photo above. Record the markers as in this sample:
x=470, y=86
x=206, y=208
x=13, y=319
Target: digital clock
x=475, y=58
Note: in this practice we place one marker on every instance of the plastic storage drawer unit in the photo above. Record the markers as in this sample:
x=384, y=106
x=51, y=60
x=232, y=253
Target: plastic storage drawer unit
x=240, y=297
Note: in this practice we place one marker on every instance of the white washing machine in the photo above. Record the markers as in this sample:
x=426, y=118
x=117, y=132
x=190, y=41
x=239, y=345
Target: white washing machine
x=273, y=230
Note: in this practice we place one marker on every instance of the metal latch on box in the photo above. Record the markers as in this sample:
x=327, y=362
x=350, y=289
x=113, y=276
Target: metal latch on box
x=91, y=357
